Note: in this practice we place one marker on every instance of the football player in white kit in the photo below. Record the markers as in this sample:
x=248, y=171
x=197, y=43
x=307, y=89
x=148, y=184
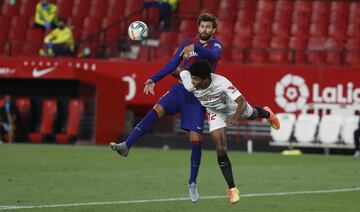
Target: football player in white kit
x=225, y=106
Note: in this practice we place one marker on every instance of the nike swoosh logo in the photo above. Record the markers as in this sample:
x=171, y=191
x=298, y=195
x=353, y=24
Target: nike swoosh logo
x=39, y=73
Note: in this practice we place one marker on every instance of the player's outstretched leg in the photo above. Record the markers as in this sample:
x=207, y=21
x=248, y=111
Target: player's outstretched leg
x=120, y=148
x=273, y=120
x=193, y=192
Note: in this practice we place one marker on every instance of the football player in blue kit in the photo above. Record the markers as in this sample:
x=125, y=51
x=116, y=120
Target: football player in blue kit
x=178, y=99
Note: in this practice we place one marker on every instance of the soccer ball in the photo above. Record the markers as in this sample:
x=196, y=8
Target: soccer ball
x=138, y=31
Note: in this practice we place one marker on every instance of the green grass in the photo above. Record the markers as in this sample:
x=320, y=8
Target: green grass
x=51, y=174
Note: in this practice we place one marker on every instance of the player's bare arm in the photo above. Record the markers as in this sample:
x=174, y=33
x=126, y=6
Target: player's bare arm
x=239, y=111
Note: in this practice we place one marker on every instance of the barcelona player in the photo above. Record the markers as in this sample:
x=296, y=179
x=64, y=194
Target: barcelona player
x=178, y=99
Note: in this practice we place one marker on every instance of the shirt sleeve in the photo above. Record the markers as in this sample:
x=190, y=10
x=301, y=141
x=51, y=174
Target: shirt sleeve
x=186, y=80
x=170, y=66
x=212, y=53
x=230, y=90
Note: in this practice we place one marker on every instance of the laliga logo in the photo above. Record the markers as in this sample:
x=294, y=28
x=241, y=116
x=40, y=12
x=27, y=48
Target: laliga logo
x=132, y=86
x=291, y=93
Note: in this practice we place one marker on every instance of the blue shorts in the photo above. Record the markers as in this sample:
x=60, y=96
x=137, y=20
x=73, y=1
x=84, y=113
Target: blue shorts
x=179, y=100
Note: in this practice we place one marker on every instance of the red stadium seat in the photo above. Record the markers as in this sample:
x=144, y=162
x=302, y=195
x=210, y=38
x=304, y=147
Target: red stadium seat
x=189, y=9
x=264, y=5
x=243, y=29
x=260, y=53
x=284, y=5
x=353, y=30
x=80, y=10
x=299, y=30
x=321, y=7
x=227, y=14
x=245, y=16
x=262, y=29
x=188, y=26
x=334, y=47
x=302, y=6
x=49, y=112
x=225, y=39
x=264, y=16
x=354, y=13
x=300, y=18
x=26, y=10
x=23, y=104
x=283, y=17
x=146, y=53
x=247, y=5
x=316, y=53
x=75, y=111
x=280, y=29
x=278, y=52
x=319, y=18
x=318, y=29
x=211, y=6
x=225, y=27
x=337, y=31
x=340, y=6
x=9, y=10
x=168, y=38
x=65, y=8
x=298, y=45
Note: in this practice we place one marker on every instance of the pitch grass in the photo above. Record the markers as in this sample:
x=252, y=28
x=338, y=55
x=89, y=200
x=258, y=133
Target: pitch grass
x=53, y=174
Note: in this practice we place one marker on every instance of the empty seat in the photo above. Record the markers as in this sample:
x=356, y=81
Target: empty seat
x=349, y=125
x=225, y=27
x=279, y=49
x=48, y=117
x=189, y=9
x=71, y=128
x=188, y=26
x=287, y=121
x=316, y=47
x=305, y=128
x=329, y=128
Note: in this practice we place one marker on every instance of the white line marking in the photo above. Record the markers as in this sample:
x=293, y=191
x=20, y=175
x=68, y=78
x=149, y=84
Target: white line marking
x=178, y=199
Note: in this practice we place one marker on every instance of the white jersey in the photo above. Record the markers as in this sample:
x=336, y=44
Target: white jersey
x=220, y=96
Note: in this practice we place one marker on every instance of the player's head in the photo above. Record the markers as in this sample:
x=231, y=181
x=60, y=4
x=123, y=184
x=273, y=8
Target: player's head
x=207, y=24
x=200, y=72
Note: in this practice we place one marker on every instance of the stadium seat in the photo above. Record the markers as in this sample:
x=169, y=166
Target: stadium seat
x=353, y=30
x=75, y=111
x=279, y=49
x=24, y=106
x=280, y=29
x=188, y=26
x=335, y=48
x=287, y=121
x=48, y=117
x=189, y=9
x=318, y=29
x=168, y=38
x=247, y=5
x=299, y=30
x=321, y=7
x=352, y=47
x=354, y=13
x=337, y=31
x=262, y=29
x=80, y=10
x=284, y=5
x=227, y=15
x=301, y=18
x=9, y=10
x=329, y=129
x=306, y=127
x=225, y=27
x=211, y=6
x=242, y=29
x=65, y=8
x=302, y=6
x=316, y=53
x=349, y=125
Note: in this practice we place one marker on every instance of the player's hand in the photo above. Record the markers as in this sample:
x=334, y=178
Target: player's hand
x=149, y=87
x=187, y=50
x=231, y=121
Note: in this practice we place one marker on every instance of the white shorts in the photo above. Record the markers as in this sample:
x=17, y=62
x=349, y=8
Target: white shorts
x=217, y=119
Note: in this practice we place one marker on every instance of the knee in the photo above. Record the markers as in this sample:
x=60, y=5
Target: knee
x=221, y=150
x=159, y=110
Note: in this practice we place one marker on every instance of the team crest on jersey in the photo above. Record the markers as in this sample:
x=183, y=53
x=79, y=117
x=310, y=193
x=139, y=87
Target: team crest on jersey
x=231, y=88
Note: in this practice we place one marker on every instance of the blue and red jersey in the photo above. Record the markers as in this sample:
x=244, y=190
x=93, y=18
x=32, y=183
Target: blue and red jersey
x=211, y=51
